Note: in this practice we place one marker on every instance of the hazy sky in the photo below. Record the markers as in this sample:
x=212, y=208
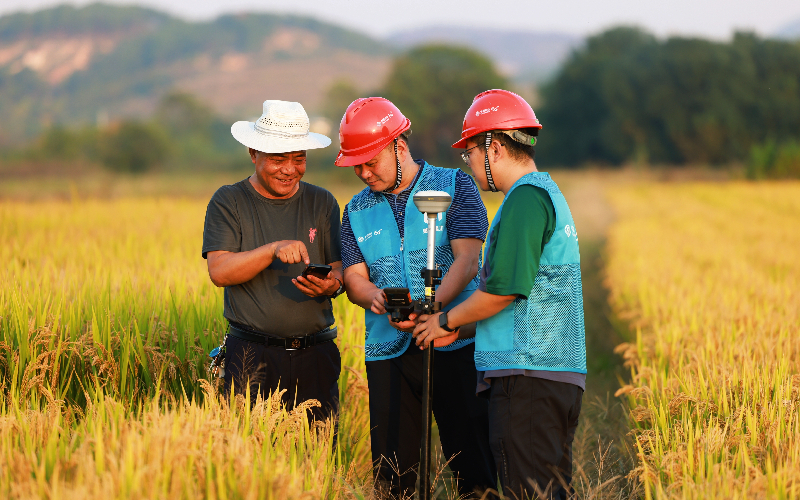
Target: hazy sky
x=709, y=18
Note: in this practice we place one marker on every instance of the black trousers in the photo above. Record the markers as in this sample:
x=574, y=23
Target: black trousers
x=310, y=373
x=395, y=409
x=533, y=424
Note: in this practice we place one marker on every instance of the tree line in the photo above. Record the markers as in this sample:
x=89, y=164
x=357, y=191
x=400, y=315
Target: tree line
x=627, y=96
x=624, y=97
x=431, y=84
x=183, y=132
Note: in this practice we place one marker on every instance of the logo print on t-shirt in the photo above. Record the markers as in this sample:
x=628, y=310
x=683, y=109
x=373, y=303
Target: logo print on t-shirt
x=312, y=233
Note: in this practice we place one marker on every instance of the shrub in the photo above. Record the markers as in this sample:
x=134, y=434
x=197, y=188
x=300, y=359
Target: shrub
x=134, y=147
x=772, y=161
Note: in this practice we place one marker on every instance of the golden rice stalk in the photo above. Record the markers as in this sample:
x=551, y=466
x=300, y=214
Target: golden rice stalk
x=106, y=318
x=709, y=276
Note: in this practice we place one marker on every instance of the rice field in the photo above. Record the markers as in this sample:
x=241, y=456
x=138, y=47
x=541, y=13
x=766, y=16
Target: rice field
x=106, y=316
x=708, y=277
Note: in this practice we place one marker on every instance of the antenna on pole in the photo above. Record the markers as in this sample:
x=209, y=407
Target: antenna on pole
x=431, y=203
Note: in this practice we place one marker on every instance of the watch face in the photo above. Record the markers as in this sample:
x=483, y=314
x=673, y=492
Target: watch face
x=443, y=322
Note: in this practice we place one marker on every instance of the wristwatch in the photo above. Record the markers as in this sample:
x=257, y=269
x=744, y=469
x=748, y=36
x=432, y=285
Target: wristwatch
x=340, y=290
x=443, y=323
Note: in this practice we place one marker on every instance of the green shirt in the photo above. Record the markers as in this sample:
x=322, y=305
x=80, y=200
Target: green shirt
x=515, y=245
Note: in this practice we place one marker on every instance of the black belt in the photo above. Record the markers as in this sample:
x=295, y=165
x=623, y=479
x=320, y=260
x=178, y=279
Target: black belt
x=249, y=334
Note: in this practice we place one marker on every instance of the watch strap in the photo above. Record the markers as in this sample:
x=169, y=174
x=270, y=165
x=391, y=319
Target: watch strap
x=443, y=323
x=338, y=291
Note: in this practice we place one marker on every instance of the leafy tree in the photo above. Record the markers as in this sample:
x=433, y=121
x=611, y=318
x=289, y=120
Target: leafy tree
x=338, y=96
x=60, y=142
x=584, y=116
x=770, y=160
x=66, y=144
x=433, y=85
x=627, y=96
x=199, y=135
x=183, y=114
x=134, y=147
x=184, y=134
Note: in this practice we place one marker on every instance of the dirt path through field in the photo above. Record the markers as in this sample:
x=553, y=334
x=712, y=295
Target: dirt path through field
x=600, y=448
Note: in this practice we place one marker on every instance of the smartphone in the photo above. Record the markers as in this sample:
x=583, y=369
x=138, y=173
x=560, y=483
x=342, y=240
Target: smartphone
x=318, y=270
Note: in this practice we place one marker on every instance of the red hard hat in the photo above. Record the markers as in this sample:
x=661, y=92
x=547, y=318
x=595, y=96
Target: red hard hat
x=368, y=125
x=496, y=110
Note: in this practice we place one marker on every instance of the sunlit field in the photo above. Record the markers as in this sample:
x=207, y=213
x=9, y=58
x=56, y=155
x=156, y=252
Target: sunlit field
x=106, y=318
x=709, y=277
x=106, y=314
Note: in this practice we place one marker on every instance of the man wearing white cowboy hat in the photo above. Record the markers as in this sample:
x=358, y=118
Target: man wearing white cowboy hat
x=260, y=235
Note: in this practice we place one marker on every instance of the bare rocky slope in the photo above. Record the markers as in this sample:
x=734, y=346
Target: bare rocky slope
x=98, y=63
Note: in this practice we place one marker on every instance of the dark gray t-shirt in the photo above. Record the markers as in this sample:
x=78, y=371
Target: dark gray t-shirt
x=239, y=219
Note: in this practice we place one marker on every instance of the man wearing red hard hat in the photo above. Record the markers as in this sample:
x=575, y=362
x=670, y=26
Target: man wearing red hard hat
x=384, y=244
x=530, y=347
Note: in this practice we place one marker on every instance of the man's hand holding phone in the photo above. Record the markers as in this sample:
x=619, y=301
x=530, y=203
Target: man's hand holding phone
x=317, y=280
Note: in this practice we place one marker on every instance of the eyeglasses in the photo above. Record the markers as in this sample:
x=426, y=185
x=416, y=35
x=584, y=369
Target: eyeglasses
x=465, y=154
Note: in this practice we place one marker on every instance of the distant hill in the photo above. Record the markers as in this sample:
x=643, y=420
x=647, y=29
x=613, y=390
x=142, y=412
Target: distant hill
x=790, y=31
x=524, y=56
x=64, y=20
x=102, y=62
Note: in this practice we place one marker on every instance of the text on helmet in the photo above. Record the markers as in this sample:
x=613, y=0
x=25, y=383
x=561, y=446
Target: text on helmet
x=384, y=119
x=486, y=110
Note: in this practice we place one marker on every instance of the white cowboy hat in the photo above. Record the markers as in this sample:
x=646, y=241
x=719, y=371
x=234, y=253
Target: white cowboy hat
x=281, y=129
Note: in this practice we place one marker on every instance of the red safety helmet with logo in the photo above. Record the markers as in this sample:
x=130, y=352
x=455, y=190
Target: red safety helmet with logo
x=500, y=110
x=496, y=109
x=368, y=125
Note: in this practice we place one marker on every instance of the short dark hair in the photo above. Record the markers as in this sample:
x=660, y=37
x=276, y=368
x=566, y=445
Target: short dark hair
x=404, y=135
x=516, y=150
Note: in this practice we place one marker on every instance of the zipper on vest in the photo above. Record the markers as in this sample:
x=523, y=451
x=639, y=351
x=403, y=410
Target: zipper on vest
x=401, y=243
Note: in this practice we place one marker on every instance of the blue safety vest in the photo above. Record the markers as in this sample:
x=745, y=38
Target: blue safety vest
x=396, y=262
x=545, y=331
